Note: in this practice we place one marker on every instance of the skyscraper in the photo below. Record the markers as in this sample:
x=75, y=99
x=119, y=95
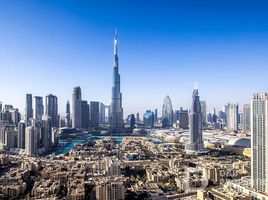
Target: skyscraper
x=116, y=116
x=31, y=141
x=85, y=114
x=167, y=112
x=46, y=131
x=259, y=141
x=148, y=119
x=195, y=144
x=52, y=109
x=232, y=116
x=204, y=111
x=21, y=135
x=102, y=113
x=76, y=108
x=38, y=108
x=94, y=114
x=68, y=115
x=246, y=118
x=28, y=108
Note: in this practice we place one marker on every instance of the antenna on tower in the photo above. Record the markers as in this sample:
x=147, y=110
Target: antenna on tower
x=196, y=85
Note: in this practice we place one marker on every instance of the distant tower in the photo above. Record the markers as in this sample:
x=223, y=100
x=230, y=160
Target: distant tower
x=68, y=115
x=52, y=109
x=203, y=105
x=38, y=108
x=76, y=108
x=21, y=135
x=259, y=141
x=31, y=141
x=116, y=120
x=28, y=108
x=85, y=115
x=94, y=114
x=232, y=116
x=167, y=113
x=195, y=144
x=246, y=118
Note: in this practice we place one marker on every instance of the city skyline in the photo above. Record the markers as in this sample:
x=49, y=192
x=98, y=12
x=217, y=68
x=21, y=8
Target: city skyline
x=81, y=44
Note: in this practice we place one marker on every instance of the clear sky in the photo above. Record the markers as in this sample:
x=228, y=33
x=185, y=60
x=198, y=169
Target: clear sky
x=51, y=46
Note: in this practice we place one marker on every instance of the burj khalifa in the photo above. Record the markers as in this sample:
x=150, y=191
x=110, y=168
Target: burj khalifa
x=116, y=110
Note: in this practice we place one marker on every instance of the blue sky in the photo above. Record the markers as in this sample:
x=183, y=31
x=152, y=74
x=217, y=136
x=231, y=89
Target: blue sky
x=51, y=46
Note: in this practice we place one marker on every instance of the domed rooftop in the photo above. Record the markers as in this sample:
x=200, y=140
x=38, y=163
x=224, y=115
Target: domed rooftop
x=239, y=142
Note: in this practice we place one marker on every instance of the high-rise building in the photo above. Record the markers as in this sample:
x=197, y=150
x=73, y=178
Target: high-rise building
x=116, y=116
x=28, y=108
x=259, y=141
x=246, y=118
x=195, y=144
x=68, y=115
x=31, y=141
x=85, y=114
x=183, y=118
x=94, y=114
x=38, y=108
x=167, y=112
x=204, y=111
x=8, y=136
x=46, y=131
x=14, y=116
x=21, y=135
x=131, y=121
x=148, y=119
x=52, y=109
x=76, y=108
x=102, y=113
x=156, y=115
x=232, y=116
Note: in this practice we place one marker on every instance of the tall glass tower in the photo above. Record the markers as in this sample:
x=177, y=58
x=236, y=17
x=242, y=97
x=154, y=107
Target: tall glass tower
x=195, y=144
x=116, y=117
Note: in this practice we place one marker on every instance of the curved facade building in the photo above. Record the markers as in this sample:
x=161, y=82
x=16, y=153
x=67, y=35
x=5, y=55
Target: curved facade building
x=76, y=108
x=195, y=144
x=167, y=112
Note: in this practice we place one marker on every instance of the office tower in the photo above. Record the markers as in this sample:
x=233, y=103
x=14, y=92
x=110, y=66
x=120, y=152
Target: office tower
x=38, y=108
x=31, y=141
x=85, y=114
x=28, y=108
x=102, y=113
x=14, y=116
x=76, y=107
x=116, y=118
x=21, y=135
x=131, y=121
x=167, y=113
x=46, y=131
x=52, y=109
x=246, y=118
x=68, y=115
x=8, y=136
x=1, y=106
x=138, y=118
x=183, y=118
x=214, y=116
x=94, y=114
x=148, y=119
x=155, y=115
x=204, y=111
x=232, y=116
x=195, y=144
x=259, y=141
